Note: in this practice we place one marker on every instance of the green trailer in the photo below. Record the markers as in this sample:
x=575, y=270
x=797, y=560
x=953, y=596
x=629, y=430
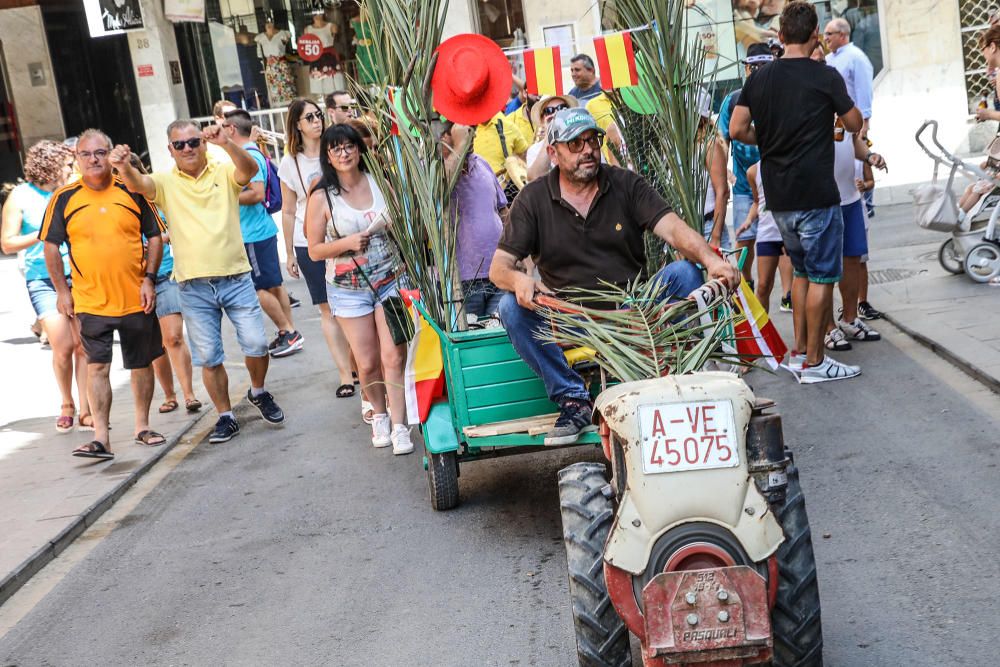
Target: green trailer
x=495, y=406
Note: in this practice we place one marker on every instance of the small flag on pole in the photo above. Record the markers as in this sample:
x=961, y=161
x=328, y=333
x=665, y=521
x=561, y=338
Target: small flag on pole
x=543, y=71
x=616, y=61
x=756, y=335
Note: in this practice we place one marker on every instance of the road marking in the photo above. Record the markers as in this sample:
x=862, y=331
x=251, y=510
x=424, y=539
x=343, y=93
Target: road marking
x=22, y=602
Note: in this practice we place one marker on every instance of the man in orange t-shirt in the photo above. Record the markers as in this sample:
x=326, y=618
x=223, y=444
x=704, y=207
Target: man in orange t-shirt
x=113, y=282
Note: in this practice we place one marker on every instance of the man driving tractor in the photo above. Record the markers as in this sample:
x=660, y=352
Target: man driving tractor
x=583, y=227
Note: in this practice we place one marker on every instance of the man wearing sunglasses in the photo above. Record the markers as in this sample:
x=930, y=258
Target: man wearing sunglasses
x=341, y=107
x=584, y=225
x=200, y=200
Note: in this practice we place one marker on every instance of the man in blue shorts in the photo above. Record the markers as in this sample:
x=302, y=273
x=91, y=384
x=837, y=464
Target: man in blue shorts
x=260, y=236
x=787, y=109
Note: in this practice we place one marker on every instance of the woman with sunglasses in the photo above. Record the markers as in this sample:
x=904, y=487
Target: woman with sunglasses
x=346, y=226
x=298, y=169
x=47, y=167
x=541, y=113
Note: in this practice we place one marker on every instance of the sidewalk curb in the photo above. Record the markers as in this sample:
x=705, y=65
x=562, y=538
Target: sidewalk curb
x=11, y=583
x=963, y=365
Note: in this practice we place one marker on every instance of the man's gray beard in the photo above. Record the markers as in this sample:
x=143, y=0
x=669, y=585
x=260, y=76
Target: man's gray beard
x=583, y=175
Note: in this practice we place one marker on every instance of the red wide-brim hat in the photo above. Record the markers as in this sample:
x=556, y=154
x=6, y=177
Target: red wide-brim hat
x=472, y=79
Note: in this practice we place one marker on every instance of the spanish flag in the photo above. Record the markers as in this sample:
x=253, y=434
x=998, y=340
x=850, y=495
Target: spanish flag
x=756, y=335
x=616, y=61
x=423, y=377
x=543, y=71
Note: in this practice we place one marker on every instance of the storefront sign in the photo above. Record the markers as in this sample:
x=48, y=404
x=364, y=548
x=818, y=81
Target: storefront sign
x=112, y=17
x=184, y=10
x=144, y=70
x=310, y=47
x=175, y=73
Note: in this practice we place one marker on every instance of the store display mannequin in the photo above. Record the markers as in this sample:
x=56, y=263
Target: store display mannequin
x=273, y=44
x=323, y=71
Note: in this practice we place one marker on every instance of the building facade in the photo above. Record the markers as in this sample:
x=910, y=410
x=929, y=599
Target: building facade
x=57, y=78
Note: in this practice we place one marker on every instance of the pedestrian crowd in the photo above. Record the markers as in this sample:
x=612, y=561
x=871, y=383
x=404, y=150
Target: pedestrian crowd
x=545, y=201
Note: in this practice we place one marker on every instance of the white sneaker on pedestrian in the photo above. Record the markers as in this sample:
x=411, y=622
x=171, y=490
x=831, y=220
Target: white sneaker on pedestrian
x=827, y=371
x=836, y=340
x=858, y=330
x=795, y=361
x=401, y=443
x=381, y=430
x=367, y=411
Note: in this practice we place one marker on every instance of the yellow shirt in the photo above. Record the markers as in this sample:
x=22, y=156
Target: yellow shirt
x=602, y=111
x=203, y=216
x=487, y=142
x=521, y=122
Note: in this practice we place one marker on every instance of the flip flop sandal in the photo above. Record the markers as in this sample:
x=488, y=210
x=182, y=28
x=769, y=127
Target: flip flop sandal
x=84, y=426
x=147, y=438
x=64, y=423
x=168, y=406
x=94, y=449
x=194, y=405
x=345, y=391
x=354, y=376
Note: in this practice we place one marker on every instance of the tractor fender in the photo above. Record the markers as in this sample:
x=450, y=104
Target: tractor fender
x=439, y=430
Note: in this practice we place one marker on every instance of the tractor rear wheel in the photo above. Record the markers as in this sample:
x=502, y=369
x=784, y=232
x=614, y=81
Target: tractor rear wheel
x=442, y=480
x=602, y=640
x=795, y=619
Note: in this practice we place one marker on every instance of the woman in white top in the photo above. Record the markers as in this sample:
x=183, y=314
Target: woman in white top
x=346, y=226
x=771, y=253
x=297, y=172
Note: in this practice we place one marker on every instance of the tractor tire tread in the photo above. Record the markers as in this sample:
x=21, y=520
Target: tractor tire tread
x=442, y=480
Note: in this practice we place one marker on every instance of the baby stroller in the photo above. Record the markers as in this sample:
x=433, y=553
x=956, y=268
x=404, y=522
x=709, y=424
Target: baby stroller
x=974, y=245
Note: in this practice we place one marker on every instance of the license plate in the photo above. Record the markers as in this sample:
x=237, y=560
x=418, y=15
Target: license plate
x=688, y=436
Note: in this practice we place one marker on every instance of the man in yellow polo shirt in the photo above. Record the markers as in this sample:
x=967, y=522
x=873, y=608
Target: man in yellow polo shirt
x=200, y=200
x=113, y=283
x=487, y=146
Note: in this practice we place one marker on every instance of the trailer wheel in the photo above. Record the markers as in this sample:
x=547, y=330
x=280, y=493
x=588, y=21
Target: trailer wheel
x=442, y=480
x=602, y=640
x=795, y=619
x=949, y=258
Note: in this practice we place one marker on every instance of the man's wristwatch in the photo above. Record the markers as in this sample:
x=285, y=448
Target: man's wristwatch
x=151, y=276
x=868, y=158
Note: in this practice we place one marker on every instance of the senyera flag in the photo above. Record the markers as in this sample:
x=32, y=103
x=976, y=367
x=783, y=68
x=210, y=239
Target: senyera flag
x=616, y=60
x=756, y=335
x=543, y=71
x=424, y=374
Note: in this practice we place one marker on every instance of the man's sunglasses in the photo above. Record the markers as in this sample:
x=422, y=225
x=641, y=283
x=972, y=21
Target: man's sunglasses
x=345, y=107
x=576, y=145
x=554, y=109
x=311, y=116
x=190, y=143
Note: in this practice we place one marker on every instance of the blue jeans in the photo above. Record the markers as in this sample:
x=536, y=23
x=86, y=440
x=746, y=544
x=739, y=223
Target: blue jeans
x=741, y=209
x=482, y=298
x=814, y=241
x=547, y=360
x=203, y=301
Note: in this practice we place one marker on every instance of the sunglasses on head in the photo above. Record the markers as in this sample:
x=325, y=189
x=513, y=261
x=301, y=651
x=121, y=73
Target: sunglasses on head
x=554, y=109
x=190, y=143
x=576, y=145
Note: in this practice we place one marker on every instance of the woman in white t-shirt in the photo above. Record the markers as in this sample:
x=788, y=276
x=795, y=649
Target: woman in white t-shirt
x=771, y=253
x=346, y=226
x=299, y=168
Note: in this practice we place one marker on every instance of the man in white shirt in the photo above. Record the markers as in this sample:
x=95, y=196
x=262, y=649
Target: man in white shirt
x=853, y=65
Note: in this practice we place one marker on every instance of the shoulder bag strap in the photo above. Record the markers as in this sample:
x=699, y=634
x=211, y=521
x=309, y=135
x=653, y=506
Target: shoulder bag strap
x=329, y=204
x=503, y=139
x=295, y=159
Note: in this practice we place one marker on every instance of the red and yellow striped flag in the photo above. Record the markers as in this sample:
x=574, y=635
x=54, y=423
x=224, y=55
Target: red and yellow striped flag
x=616, y=61
x=543, y=71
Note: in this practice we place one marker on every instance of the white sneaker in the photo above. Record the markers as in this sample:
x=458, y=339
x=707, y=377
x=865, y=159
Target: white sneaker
x=836, y=340
x=858, y=330
x=796, y=361
x=367, y=411
x=381, y=431
x=401, y=443
x=827, y=371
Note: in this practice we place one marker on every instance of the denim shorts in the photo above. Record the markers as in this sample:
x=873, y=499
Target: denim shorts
x=314, y=273
x=265, y=266
x=814, y=241
x=43, y=297
x=203, y=301
x=168, y=297
x=741, y=209
x=726, y=243
x=855, y=236
x=770, y=249
x=357, y=302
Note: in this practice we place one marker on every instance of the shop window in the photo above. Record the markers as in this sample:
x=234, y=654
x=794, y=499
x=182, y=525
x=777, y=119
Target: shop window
x=563, y=37
x=498, y=19
x=974, y=18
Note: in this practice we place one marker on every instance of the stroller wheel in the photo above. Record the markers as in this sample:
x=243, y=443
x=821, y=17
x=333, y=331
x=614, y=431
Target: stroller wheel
x=951, y=260
x=983, y=262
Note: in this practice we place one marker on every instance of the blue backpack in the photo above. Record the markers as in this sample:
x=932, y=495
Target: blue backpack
x=272, y=185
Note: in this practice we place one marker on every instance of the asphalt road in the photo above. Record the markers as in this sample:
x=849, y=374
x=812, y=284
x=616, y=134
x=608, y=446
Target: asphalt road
x=305, y=546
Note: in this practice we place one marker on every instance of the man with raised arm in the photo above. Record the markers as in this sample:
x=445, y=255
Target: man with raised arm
x=200, y=200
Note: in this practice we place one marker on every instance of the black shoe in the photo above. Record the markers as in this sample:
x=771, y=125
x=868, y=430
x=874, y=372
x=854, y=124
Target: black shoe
x=867, y=312
x=273, y=345
x=293, y=302
x=225, y=430
x=269, y=410
x=574, y=419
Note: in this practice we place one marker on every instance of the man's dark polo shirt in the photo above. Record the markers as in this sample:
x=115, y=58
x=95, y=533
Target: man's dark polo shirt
x=573, y=251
